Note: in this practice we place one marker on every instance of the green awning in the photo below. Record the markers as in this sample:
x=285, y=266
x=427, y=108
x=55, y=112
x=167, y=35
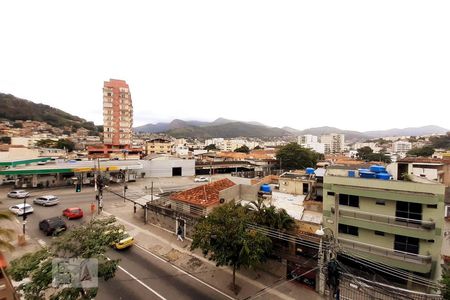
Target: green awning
x=15, y=163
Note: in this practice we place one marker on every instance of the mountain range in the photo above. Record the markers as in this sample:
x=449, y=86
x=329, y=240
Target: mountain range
x=13, y=108
x=230, y=128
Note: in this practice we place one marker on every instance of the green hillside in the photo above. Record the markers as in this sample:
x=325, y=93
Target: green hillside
x=13, y=108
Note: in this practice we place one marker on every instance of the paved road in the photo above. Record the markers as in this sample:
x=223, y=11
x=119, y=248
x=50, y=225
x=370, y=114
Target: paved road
x=141, y=274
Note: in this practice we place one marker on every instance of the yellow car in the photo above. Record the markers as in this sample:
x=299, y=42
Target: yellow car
x=125, y=242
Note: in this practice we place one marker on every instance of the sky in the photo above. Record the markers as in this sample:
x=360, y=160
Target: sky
x=356, y=65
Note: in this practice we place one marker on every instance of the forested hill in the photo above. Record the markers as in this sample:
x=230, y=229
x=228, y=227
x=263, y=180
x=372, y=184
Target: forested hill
x=13, y=108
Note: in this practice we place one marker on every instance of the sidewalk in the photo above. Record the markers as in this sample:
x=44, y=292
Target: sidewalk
x=164, y=244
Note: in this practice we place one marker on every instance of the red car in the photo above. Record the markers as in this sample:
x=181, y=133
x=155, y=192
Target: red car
x=73, y=213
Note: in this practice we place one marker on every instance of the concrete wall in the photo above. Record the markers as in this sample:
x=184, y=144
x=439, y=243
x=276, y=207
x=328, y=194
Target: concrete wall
x=240, y=192
x=163, y=167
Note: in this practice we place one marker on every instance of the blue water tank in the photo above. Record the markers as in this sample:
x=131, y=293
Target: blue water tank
x=377, y=169
x=383, y=176
x=367, y=174
x=266, y=188
x=309, y=171
x=351, y=173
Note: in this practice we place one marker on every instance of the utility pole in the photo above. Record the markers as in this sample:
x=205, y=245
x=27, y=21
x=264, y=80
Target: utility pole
x=99, y=181
x=24, y=216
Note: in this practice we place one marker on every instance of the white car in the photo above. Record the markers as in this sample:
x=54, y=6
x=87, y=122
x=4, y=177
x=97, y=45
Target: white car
x=18, y=194
x=20, y=209
x=46, y=200
x=201, y=179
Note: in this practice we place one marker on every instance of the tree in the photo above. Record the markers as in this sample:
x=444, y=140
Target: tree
x=364, y=152
x=6, y=234
x=243, y=149
x=5, y=140
x=258, y=147
x=294, y=156
x=442, y=141
x=224, y=238
x=65, y=144
x=381, y=157
x=424, y=151
x=210, y=147
x=445, y=282
x=90, y=240
x=47, y=143
x=270, y=216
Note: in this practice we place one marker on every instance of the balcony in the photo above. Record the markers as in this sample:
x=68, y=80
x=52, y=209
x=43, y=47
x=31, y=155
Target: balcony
x=391, y=220
x=391, y=257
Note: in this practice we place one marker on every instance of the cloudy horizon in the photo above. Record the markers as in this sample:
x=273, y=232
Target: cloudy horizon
x=352, y=65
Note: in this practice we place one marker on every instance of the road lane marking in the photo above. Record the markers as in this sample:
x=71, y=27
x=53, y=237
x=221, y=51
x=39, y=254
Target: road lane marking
x=139, y=281
x=156, y=256
x=184, y=272
x=143, y=284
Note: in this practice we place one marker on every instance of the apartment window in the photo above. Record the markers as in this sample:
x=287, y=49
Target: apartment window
x=330, y=193
x=348, y=229
x=406, y=244
x=409, y=211
x=432, y=205
x=380, y=202
x=349, y=200
x=381, y=233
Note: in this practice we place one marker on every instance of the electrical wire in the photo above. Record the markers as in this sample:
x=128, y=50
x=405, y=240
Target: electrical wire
x=391, y=271
x=364, y=285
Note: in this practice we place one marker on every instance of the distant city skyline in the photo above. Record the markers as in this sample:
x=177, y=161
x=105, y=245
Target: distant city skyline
x=352, y=65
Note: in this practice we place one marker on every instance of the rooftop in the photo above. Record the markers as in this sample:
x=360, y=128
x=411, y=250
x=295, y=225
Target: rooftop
x=205, y=195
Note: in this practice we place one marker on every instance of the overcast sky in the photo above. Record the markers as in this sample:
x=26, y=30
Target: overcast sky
x=360, y=65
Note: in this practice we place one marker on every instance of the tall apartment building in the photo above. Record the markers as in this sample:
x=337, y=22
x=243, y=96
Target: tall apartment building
x=334, y=142
x=401, y=147
x=117, y=113
x=311, y=142
x=396, y=223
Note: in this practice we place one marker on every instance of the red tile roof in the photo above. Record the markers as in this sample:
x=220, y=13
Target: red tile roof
x=204, y=195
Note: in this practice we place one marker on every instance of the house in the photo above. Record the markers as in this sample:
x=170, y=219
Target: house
x=201, y=200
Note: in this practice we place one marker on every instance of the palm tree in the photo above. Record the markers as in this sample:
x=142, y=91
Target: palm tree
x=6, y=234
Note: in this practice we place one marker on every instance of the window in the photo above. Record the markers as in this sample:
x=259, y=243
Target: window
x=379, y=233
x=408, y=212
x=348, y=200
x=406, y=244
x=432, y=205
x=380, y=202
x=330, y=193
x=348, y=229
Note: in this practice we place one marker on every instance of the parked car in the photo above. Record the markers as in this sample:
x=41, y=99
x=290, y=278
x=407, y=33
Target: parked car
x=47, y=200
x=52, y=226
x=201, y=179
x=20, y=209
x=73, y=213
x=18, y=194
x=126, y=241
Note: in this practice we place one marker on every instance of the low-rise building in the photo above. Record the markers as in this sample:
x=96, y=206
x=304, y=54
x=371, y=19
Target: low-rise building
x=201, y=200
x=158, y=145
x=167, y=166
